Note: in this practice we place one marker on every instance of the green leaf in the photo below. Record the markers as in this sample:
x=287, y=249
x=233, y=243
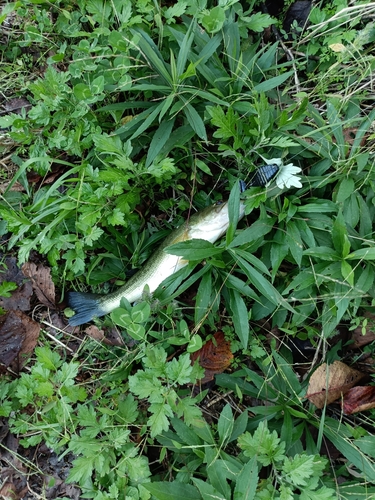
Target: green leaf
x=323, y=253
x=294, y=242
x=346, y=188
x=257, y=230
x=194, y=120
x=363, y=254
x=121, y=317
x=226, y=122
x=141, y=312
x=263, y=444
x=82, y=470
x=240, y=317
x=340, y=238
x=159, y=139
x=171, y=491
x=347, y=272
x=247, y=481
x=159, y=421
x=203, y=298
x=153, y=55
x=272, y=83
x=195, y=249
x=233, y=211
x=6, y=287
x=207, y=491
x=214, y=20
x=178, y=371
x=195, y=343
x=257, y=22
x=263, y=286
x=225, y=425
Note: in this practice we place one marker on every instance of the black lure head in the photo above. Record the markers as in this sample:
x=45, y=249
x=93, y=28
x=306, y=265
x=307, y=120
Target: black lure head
x=264, y=175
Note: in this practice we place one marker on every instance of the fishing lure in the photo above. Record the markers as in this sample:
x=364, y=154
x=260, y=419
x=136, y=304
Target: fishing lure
x=264, y=175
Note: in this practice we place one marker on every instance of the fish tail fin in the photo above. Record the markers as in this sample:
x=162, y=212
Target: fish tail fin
x=86, y=306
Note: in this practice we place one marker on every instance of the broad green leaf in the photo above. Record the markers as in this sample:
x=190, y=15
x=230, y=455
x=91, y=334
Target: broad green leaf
x=136, y=331
x=172, y=491
x=273, y=82
x=263, y=286
x=294, y=241
x=247, y=481
x=233, y=211
x=121, y=317
x=225, y=425
x=240, y=317
x=346, y=188
x=340, y=238
x=257, y=230
x=363, y=254
x=194, y=120
x=207, y=491
x=195, y=343
x=347, y=272
x=195, y=249
x=203, y=298
x=141, y=312
x=323, y=253
x=159, y=139
x=217, y=476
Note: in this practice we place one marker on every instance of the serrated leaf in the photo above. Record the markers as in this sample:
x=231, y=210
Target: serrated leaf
x=257, y=22
x=247, y=481
x=159, y=420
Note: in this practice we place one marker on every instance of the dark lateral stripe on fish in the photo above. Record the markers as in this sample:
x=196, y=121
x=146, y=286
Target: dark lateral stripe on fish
x=86, y=307
x=264, y=175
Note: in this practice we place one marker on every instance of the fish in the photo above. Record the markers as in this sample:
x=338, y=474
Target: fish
x=209, y=224
x=264, y=175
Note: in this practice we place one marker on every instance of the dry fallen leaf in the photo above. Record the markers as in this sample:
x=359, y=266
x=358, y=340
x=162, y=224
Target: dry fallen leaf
x=215, y=356
x=330, y=382
x=18, y=337
x=41, y=280
x=359, y=399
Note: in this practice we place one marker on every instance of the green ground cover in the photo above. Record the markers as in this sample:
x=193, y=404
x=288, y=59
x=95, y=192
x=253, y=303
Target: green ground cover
x=131, y=114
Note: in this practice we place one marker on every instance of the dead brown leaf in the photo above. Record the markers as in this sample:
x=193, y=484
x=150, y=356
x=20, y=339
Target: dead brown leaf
x=215, y=356
x=18, y=337
x=41, y=280
x=359, y=399
x=330, y=382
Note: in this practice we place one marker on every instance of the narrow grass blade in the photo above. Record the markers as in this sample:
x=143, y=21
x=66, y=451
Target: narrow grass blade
x=153, y=55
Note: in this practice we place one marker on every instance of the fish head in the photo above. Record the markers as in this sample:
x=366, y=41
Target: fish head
x=211, y=223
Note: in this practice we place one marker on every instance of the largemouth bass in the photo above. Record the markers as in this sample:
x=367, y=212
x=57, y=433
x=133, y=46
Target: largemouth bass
x=209, y=224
